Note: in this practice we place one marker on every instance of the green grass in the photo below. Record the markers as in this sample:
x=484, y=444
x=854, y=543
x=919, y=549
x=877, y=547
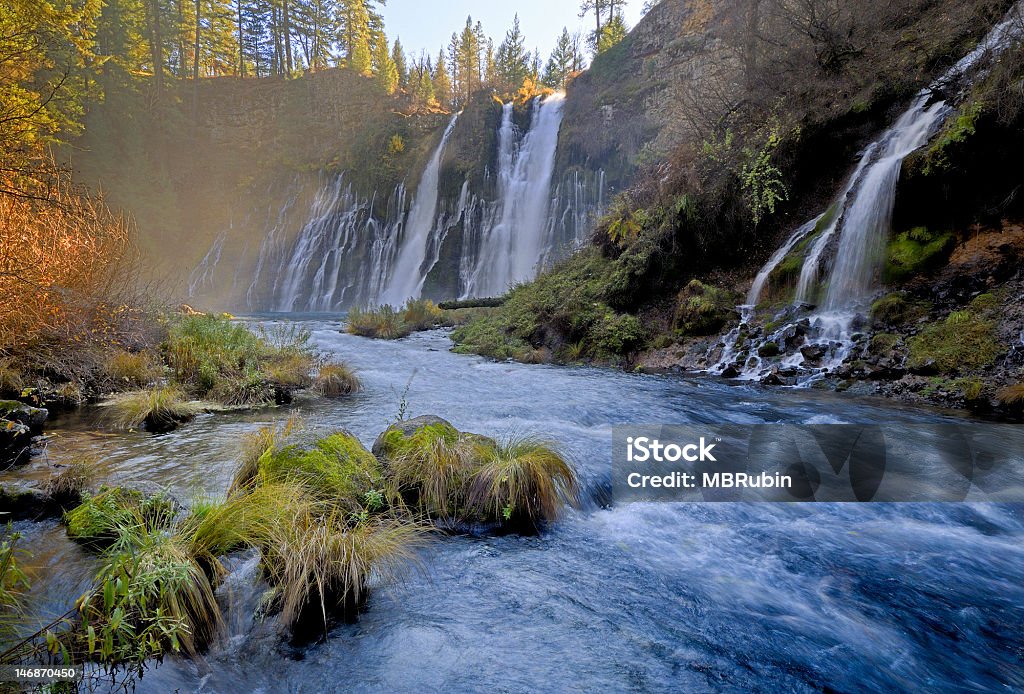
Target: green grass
x=159, y=409
x=965, y=341
x=215, y=357
x=522, y=482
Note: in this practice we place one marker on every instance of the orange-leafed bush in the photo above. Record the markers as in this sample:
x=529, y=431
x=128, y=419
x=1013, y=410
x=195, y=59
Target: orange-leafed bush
x=65, y=279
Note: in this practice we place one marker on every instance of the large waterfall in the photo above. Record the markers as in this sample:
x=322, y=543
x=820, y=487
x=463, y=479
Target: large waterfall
x=848, y=240
x=339, y=254
x=512, y=247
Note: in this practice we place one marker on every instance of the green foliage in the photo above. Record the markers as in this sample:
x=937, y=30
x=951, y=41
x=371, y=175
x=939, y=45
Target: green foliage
x=103, y=517
x=14, y=582
x=624, y=225
x=761, y=181
x=611, y=33
x=955, y=132
x=703, y=309
x=914, y=251
x=965, y=341
x=562, y=306
x=216, y=357
x=522, y=481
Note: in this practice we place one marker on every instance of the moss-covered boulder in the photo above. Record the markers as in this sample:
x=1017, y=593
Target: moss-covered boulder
x=102, y=517
x=338, y=467
x=703, y=309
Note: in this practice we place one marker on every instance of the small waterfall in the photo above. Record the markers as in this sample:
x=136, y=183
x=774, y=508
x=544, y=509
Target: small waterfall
x=857, y=230
x=409, y=273
x=513, y=247
x=204, y=274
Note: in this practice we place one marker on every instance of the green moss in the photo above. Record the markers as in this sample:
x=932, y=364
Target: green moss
x=883, y=342
x=703, y=309
x=338, y=466
x=912, y=252
x=953, y=135
x=101, y=517
x=768, y=349
x=964, y=341
x=896, y=309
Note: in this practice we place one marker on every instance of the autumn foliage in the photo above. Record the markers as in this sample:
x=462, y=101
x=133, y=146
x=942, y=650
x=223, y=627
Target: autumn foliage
x=64, y=278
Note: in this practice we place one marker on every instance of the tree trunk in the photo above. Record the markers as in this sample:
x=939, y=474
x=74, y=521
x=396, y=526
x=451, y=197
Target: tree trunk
x=287, y=39
x=241, y=49
x=156, y=46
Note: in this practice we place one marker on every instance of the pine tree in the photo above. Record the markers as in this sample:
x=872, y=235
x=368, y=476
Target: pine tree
x=512, y=61
x=384, y=68
x=398, y=57
x=562, y=63
x=442, y=83
x=611, y=33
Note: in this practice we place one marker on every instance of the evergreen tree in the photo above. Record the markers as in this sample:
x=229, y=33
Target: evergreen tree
x=611, y=33
x=384, y=68
x=564, y=61
x=442, y=82
x=398, y=57
x=512, y=61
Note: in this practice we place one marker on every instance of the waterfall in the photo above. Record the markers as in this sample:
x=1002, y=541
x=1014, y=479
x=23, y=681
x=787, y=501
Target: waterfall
x=856, y=226
x=513, y=247
x=341, y=254
x=408, y=274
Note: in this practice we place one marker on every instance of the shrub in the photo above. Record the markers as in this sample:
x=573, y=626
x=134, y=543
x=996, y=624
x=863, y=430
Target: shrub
x=522, y=482
x=334, y=379
x=132, y=368
x=421, y=314
x=384, y=322
x=159, y=409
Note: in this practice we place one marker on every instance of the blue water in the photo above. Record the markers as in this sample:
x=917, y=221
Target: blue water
x=643, y=597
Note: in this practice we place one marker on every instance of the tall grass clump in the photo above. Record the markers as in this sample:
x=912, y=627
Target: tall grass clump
x=136, y=369
x=212, y=356
x=522, y=482
x=265, y=440
x=159, y=409
x=14, y=583
x=422, y=314
x=384, y=322
x=1011, y=395
x=334, y=379
x=429, y=468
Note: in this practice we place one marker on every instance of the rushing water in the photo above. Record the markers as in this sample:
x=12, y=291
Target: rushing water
x=645, y=597
x=859, y=222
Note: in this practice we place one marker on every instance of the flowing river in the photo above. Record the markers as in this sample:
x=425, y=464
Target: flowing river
x=645, y=597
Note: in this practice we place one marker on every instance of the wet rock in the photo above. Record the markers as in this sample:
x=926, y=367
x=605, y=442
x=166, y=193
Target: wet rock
x=926, y=368
x=730, y=371
x=768, y=349
x=813, y=353
x=19, y=424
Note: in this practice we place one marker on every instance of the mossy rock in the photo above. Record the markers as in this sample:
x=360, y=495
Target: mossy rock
x=963, y=342
x=98, y=520
x=703, y=309
x=896, y=309
x=338, y=466
x=913, y=252
x=403, y=436
x=768, y=349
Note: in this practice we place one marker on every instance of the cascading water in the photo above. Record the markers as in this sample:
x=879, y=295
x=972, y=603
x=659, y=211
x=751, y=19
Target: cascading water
x=858, y=227
x=409, y=273
x=512, y=248
x=342, y=255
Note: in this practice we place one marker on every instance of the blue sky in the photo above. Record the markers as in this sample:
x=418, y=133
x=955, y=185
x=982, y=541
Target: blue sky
x=429, y=23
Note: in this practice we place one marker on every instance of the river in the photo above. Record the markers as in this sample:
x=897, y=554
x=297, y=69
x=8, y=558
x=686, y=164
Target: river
x=643, y=597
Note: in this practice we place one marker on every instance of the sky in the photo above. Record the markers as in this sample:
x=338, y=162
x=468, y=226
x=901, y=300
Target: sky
x=428, y=24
